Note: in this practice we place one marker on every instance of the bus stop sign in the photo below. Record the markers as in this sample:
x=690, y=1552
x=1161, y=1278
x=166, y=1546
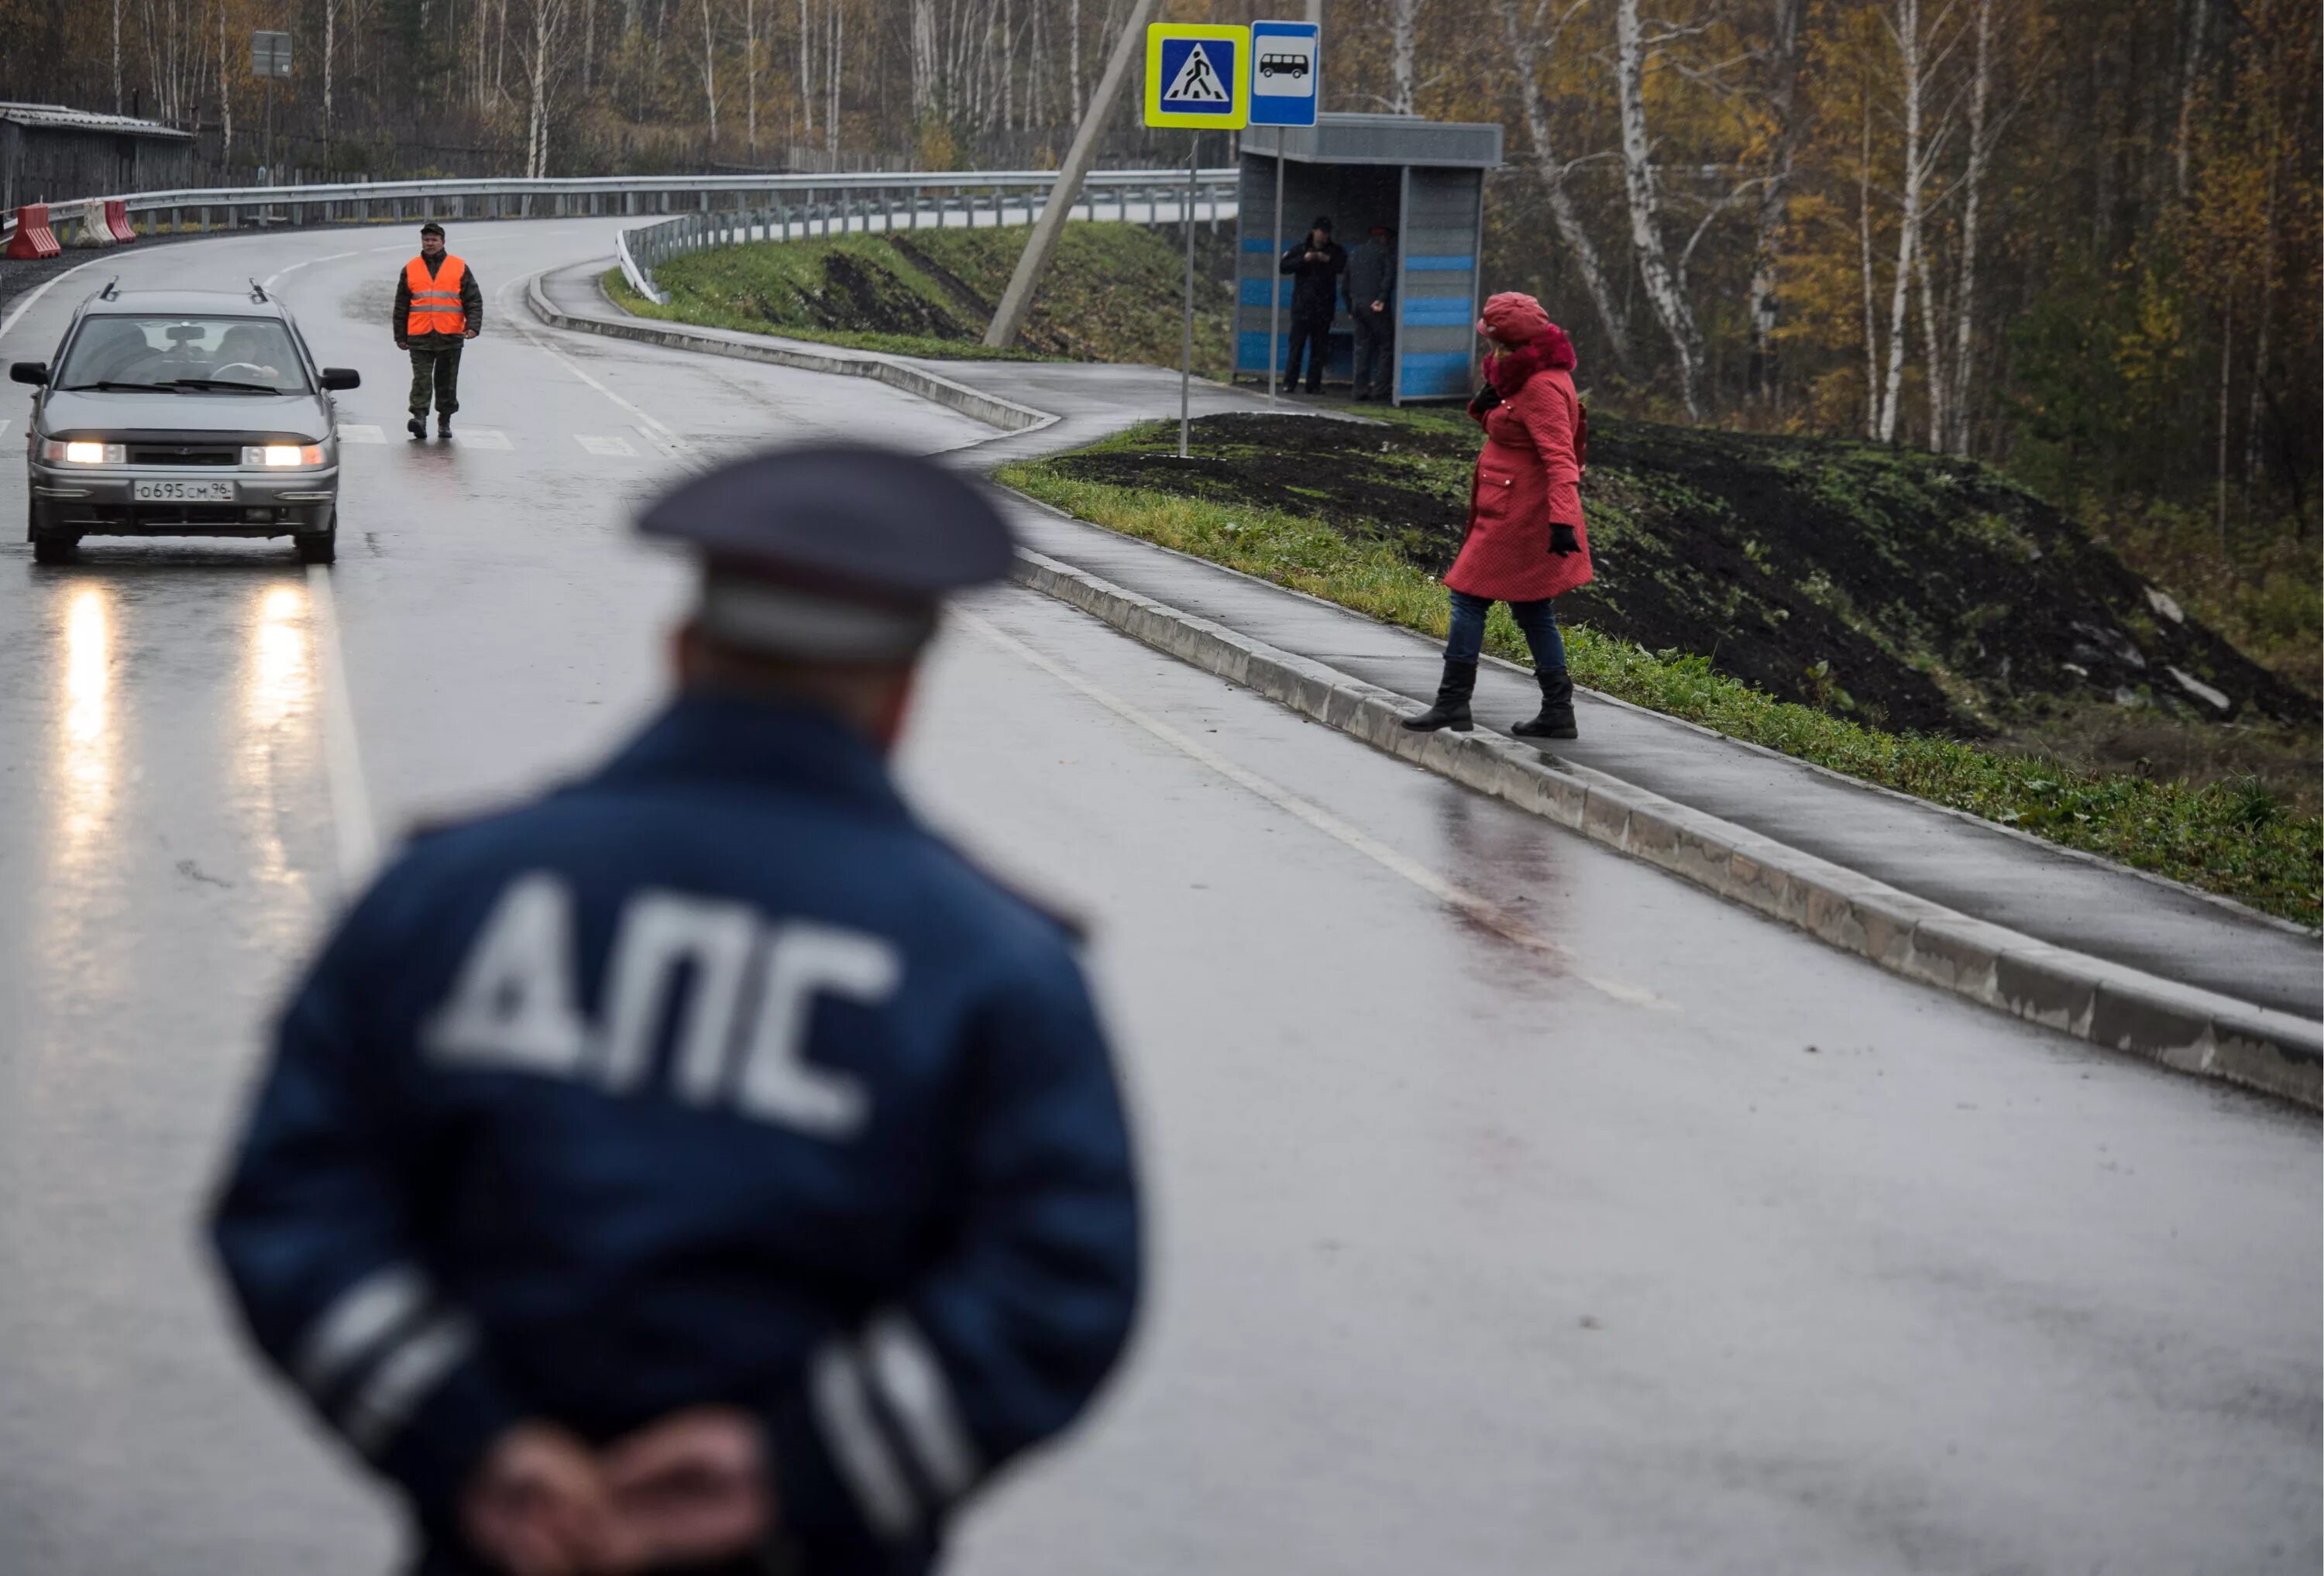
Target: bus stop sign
x=1287, y=71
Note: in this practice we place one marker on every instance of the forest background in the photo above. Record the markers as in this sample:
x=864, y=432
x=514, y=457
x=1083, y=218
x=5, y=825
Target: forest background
x=2078, y=238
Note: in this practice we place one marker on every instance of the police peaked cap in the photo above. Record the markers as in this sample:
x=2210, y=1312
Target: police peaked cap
x=805, y=550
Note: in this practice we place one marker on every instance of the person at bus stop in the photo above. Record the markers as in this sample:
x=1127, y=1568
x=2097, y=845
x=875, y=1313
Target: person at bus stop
x=438, y=309
x=1526, y=543
x=704, y=1166
x=1370, y=289
x=1314, y=263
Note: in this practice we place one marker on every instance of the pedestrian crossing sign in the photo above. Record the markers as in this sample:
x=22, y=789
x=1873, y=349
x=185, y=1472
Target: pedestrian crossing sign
x=1197, y=76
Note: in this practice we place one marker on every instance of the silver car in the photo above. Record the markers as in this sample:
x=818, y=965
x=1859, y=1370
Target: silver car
x=182, y=413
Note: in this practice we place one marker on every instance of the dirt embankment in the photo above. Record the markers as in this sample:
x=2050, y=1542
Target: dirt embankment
x=1914, y=590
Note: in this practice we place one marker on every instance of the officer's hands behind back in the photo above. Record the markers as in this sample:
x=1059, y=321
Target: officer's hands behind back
x=690, y=1488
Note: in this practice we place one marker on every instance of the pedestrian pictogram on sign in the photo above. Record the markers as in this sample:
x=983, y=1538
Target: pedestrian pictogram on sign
x=1197, y=76
x=1286, y=74
x=1195, y=82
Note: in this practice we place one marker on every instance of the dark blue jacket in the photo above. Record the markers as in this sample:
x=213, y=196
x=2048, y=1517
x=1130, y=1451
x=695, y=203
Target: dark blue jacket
x=713, y=1078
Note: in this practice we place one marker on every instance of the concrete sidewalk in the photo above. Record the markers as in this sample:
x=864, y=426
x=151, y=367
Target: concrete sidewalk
x=1971, y=866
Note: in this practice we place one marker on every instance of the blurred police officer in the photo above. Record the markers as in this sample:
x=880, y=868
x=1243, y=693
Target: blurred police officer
x=438, y=309
x=704, y=1166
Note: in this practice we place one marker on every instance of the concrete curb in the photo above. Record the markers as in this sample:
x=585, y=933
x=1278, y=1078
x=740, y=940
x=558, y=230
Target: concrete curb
x=975, y=403
x=2177, y=1025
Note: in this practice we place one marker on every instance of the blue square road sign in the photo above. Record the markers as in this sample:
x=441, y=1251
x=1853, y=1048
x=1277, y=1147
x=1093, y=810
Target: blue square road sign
x=1287, y=71
x=1198, y=76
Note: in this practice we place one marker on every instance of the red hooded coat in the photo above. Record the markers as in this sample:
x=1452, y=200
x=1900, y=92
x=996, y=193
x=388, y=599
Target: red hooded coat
x=1527, y=477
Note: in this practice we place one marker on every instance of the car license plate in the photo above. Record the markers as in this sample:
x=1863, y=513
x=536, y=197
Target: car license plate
x=181, y=492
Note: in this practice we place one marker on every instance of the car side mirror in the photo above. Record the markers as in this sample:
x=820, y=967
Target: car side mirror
x=341, y=377
x=28, y=371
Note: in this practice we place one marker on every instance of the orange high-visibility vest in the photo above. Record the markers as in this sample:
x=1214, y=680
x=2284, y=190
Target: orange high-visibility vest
x=436, y=302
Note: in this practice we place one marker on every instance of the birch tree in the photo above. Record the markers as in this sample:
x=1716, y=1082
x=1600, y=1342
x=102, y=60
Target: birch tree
x=1918, y=57
x=1786, y=47
x=1986, y=125
x=1661, y=284
x=548, y=19
x=710, y=70
x=1529, y=35
x=1402, y=34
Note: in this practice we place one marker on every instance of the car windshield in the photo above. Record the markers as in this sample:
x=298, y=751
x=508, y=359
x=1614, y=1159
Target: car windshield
x=189, y=354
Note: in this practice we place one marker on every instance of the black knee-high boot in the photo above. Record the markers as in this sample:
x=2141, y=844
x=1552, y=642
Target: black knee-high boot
x=1451, y=707
x=1556, y=718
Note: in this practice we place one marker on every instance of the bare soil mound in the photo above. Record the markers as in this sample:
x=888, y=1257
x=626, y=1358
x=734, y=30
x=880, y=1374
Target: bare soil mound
x=1916, y=590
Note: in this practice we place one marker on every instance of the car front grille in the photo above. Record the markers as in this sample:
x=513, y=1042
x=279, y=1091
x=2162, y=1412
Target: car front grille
x=185, y=454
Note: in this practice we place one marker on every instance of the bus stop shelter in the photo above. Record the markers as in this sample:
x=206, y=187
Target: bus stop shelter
x=1424, y=179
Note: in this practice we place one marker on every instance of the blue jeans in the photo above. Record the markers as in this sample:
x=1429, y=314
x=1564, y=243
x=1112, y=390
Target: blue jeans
x=1538, y=620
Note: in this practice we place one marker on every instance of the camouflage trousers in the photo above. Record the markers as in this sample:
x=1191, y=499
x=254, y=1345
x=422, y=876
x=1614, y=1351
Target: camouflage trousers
x=435, y=370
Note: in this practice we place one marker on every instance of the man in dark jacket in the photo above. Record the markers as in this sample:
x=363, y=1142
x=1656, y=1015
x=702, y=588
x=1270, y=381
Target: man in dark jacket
x=704, y=1166
x=1370, y=286
x=1314, y=264
x=438, y=309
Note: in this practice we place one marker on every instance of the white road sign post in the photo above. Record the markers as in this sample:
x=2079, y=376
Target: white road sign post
x=269, y=57
x=1287, y=84
x=1197, y=77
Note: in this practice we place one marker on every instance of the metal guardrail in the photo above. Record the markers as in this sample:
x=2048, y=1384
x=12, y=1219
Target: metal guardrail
x=209, y=209
x=1132, y=196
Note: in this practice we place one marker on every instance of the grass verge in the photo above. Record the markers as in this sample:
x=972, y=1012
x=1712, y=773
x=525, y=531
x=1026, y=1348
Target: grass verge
x=1113, y=292
x=2233, y=838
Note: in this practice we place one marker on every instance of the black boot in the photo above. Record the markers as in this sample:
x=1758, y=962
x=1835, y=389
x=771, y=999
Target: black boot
x=418, y=425
x=1556, y=719
x=1451, y=707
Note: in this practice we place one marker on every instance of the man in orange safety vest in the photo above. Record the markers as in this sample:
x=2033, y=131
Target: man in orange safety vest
x=437, y=310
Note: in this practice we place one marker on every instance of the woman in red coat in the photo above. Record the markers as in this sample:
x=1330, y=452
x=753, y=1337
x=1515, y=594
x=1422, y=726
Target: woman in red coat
x=1526, y=542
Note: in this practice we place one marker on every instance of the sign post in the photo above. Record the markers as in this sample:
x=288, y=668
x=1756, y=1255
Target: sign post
x=1197, y=79
x=1286, y=83
x=269, y=57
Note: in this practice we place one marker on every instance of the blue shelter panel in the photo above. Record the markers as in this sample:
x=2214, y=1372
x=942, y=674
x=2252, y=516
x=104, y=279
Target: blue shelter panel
x=1435, y=323
x=1435, y=375
x=1436, y=313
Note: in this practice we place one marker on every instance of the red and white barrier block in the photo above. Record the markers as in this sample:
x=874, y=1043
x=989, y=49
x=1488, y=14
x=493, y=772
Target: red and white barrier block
x=33, y=238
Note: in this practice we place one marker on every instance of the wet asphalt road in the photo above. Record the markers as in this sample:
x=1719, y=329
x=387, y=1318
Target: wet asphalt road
x=1539, y=1242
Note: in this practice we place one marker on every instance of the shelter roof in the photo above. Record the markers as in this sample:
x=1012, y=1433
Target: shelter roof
x=63, y=117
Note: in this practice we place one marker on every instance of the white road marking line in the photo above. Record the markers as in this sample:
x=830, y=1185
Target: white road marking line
x=36, y=293
x=661, y=436
x=672, y=447
x=309, y=263
x=611, y=446
x=1477, y=907
x=480, y=437
x=360, y=432
x=358, y=834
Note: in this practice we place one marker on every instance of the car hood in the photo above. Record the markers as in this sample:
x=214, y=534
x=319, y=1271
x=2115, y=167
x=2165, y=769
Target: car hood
x=304, y=415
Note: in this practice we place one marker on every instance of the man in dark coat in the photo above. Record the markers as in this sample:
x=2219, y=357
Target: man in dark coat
x=1314, y=264
x=1370, y=288
x=703, y=1167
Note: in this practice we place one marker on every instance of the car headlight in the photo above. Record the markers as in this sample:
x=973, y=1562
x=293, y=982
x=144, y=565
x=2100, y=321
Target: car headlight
x=277, y=457
x=80, y=452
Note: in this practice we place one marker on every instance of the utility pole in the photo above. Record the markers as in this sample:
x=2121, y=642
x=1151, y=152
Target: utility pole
x=1009, y=321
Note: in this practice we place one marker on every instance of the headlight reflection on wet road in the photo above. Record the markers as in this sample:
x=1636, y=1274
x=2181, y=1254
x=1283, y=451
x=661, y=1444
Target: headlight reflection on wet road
x=88, y=745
